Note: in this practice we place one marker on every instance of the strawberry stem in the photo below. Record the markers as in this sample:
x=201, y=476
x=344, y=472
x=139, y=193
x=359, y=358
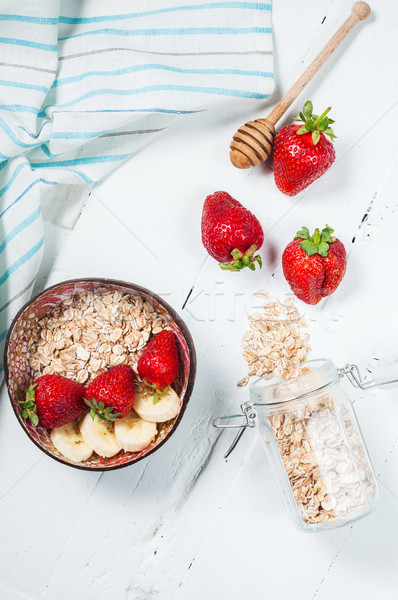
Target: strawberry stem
x=29, y=408
x=318, y=243
x=319, y=119
x=106, y=414
x=242, y=260
x=315, y=124
x=147, y=388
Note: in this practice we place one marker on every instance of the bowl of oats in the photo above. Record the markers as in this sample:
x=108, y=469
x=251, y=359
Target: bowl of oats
x=99, y=372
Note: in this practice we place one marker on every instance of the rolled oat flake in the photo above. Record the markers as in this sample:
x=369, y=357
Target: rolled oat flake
x=312, y=436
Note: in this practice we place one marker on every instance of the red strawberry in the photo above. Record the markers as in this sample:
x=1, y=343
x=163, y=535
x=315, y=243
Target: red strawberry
x=111, y=395
x=302, y=153
x=314, y=266
x=53, y=401
x=230, y=232
x=158, y=364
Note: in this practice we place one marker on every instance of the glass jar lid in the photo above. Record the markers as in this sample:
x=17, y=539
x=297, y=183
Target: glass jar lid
x=273, y=390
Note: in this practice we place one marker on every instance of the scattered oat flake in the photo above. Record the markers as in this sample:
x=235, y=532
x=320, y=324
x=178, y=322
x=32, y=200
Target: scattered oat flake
x=276, y=342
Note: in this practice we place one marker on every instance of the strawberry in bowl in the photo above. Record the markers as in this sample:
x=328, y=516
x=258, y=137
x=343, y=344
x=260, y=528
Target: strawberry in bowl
x=53, y=401
x=111, y=394
x=158, y=368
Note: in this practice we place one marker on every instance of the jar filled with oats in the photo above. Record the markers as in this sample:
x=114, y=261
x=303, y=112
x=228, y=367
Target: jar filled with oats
x=316, y=447
x=313, y=438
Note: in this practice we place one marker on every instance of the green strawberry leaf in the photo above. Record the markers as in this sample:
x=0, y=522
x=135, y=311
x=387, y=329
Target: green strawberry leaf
x=302, y=130
x=309, y=125
x=309, y=247
x=316, y=237
x=316, y=124
x=236, y=254
x=326, y=235
x=29, y=409
x=241, y=260
x=34, y=419
x=318, y=243
x=323, y=248
x=330, y=133
x=316, y=136
x=303, y=233
x=156, y=398
x=323, y=124
x=307, y=109
x=105, y=413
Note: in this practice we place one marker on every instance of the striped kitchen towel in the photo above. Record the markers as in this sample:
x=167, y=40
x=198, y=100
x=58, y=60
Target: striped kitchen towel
x=85, y=83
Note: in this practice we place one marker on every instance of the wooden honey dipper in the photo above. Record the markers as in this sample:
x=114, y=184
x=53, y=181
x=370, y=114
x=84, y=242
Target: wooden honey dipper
x=252, y=143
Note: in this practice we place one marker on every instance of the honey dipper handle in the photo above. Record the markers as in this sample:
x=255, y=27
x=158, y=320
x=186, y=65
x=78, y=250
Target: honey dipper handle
x=359, y=11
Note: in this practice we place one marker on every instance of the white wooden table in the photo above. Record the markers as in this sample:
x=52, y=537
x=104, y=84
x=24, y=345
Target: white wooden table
x=184, y=523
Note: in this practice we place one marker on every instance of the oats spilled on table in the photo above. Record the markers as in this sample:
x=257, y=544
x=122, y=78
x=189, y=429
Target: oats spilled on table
x=277, y=341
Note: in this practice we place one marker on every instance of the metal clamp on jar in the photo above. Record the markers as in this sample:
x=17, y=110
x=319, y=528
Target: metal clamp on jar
x=314, y=442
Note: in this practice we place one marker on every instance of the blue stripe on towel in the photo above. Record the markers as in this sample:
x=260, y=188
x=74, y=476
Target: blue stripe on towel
x=21, y=261
x=172, y=31
x=25, y=86
x=127, y=110
x=138, y=68
x=29, y=44
x=162, y=88
x=25, y=192
x=28, y=19
x=12, y=178
x=209, y=6
x=88, y=160
x=12, y=135
x=20, y=227
x=19, y=108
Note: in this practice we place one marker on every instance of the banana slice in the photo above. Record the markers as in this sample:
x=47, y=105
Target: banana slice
x=69, y=441
x=133, y=434
x=99, y=436
x=166, y=408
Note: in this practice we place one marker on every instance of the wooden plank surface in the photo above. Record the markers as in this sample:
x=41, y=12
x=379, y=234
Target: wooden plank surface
x=184, y=524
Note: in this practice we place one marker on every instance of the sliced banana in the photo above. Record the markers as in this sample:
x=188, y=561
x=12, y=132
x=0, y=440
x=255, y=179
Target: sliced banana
x=99, y=436
x=133, y=434
x=166, y=408
x=69, y=441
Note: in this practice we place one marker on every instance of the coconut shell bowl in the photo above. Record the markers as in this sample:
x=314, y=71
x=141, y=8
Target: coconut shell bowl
x=19, y=374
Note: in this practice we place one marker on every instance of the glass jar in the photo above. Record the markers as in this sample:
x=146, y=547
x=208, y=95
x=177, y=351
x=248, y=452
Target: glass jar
x=316, y=448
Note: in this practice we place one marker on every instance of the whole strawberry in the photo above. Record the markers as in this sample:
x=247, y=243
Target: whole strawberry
x=230, y=232
x=53, y=401
x=158, y=364
x=314, y=265
x=302, y=153
x=111, y=395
